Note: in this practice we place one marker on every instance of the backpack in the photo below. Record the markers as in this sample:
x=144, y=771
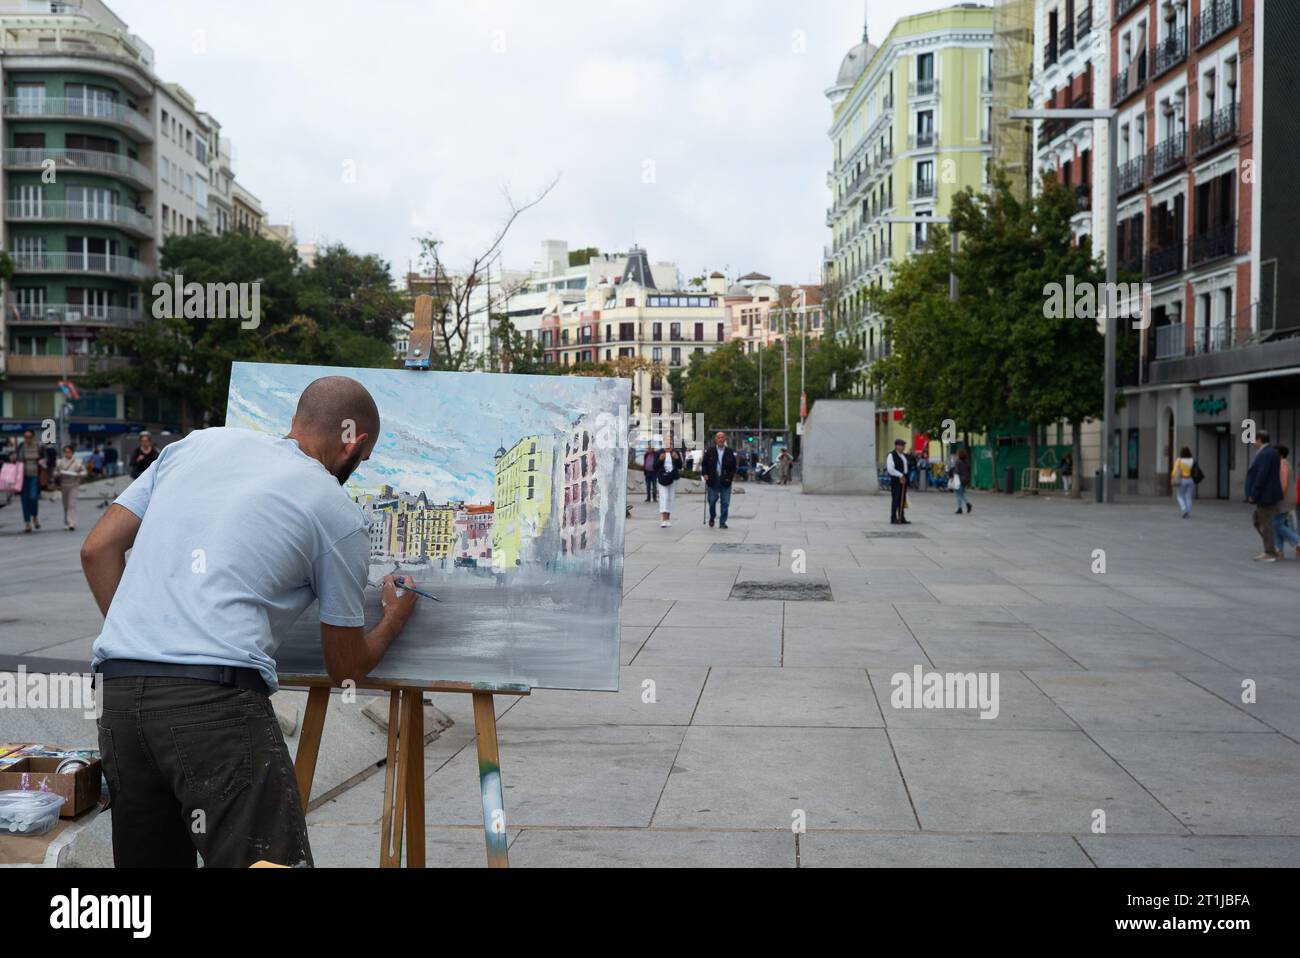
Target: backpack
x=1198, y=474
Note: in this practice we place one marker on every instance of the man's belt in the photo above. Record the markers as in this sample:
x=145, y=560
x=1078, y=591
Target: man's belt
x=228, y=675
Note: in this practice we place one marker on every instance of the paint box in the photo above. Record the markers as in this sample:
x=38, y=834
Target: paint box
x=80, y=788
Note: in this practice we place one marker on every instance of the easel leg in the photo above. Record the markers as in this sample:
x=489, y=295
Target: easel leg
x=413, y=734
x=489, y=775
x=390, y=847
x=313, y=724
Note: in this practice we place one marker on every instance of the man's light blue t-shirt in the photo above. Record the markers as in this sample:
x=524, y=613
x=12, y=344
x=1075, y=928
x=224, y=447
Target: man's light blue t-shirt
x=240, y=532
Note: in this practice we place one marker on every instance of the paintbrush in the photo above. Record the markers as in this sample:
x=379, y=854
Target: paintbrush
x=407, y=588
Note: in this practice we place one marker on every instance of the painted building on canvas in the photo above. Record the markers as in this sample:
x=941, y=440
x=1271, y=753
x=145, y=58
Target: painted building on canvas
x=523, y=498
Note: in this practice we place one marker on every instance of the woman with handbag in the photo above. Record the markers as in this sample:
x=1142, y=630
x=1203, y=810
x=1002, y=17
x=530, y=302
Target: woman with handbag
x=959, y=480
x=69, y=472
x=31, y=457
x=669, y=466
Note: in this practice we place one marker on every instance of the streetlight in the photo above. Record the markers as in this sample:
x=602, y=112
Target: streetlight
x=803, y=352
x=1112, y=270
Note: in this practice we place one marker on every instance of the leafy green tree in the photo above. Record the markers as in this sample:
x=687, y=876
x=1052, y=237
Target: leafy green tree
x=581, y=257
x=721, y=384
x=352, y=291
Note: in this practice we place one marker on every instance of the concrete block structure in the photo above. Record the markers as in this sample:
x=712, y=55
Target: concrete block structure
x=839, y=448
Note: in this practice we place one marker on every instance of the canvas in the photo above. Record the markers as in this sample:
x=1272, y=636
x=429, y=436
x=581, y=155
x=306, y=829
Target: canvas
x=501, y=495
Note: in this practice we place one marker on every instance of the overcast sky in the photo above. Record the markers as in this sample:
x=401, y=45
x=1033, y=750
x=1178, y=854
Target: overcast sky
x=696, y=128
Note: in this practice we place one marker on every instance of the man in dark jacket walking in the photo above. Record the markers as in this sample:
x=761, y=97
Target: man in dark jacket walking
x=649, y=464
x=719, y=470
x=1264, y=489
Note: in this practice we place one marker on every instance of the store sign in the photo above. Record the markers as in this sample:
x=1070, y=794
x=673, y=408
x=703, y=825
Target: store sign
x=1210, y=407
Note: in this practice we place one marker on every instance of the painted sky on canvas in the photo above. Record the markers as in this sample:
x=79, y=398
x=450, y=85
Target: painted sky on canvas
x=440, y=431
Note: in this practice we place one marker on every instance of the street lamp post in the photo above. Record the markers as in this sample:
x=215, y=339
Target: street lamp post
x=1112, y=272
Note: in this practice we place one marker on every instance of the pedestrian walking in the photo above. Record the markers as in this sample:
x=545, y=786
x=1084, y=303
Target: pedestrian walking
x=1067, y=472
x=668, y=466
x=648, y=464
x=97, y=462
x=1264, y=490
x=1184, y=484
x=719, y=470
x=144, y=456
x=110, y=461
x=923, y=470
x=896, y=467
x=959, y=481
x=32, y=457
x=786, y=462
x=69, y=472
x=1283, y=533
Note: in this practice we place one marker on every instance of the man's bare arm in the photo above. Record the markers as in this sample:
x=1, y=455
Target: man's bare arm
x=351, y=652
x=103, y=554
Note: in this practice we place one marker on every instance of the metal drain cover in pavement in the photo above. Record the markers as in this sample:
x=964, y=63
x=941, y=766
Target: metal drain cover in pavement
x=891, y=534
x=746, y=548
x=783, y=591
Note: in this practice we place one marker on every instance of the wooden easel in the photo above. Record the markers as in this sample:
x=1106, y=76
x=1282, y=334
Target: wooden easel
x=404, y=768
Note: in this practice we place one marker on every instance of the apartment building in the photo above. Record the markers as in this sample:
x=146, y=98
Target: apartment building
x=912, y=126
x=103, y=162
x=1208, y=145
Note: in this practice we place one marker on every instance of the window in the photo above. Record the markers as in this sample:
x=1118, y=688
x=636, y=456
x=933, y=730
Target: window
x=29, y=99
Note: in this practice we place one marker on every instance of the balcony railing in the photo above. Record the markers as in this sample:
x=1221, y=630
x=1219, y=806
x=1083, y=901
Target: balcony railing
x=1217, y=18
x=91, y=161
x=73, y=314
x=923, y=141
x=79, y=263
x=79, y=108
x=1083, y=197
x=919, y=88
x=1049, y=54
x=1168, y=53
x=1169, y=155
x=1171, y=341
x=1124, y=6
x=74, y=364
x=1067, y=38
x=1083, y=26
x=1220, y=127
x=1165, y=261
x=922, y=190
x=1132, y=262
x=26, y=211
x=1128, y=82
x=1132, y=175
x=1216, y=242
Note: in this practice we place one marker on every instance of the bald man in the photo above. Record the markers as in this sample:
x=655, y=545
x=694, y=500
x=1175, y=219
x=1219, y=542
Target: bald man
x=233, y=535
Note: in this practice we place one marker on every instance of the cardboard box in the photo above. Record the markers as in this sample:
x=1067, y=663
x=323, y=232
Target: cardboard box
x=80, y=788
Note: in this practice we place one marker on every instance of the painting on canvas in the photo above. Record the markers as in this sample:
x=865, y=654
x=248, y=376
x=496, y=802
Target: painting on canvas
x=501, y=495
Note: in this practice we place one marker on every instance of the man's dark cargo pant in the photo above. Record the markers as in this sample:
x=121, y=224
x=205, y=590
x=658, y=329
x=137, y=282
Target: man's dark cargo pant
x=197, y=766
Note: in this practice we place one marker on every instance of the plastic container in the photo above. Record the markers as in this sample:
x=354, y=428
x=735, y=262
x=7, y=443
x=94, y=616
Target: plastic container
x=29, y=813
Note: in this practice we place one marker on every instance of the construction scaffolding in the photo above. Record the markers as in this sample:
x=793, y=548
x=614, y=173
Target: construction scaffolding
x=1013, y=66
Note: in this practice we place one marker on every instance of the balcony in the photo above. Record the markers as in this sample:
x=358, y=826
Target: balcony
x=1217, y=18
x=921, y=190
x=1165, y=261
x=1083, y=26
x=1169, y=155
x=74, y=364
x=80, y=108
x=1049, y=54
x=1123, y=7
x=1216, y=242
x=1131, y=262
x=1220, y=127
x=1067, y=38
x=82, y=161
x=90, y=263
x=1083, y=197
x=1168, y=53
x=127, y=219
x=1130, y=81
x=1132, y=175
x=923, y=88
x=923, y=141
x=1171, y=341
x=74, y=314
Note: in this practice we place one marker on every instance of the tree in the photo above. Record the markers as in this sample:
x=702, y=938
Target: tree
x=513, y=352
x=457, y=297
x=581, y=257
x=998, y=354
x=338, y=313
x=721, y=385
